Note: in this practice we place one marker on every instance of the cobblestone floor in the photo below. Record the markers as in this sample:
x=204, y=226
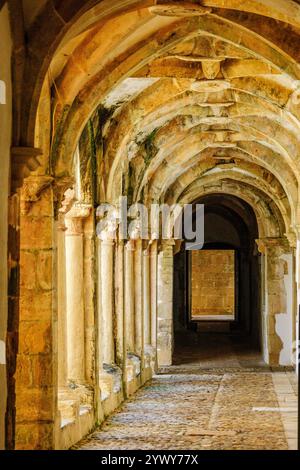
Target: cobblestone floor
x=230, y=408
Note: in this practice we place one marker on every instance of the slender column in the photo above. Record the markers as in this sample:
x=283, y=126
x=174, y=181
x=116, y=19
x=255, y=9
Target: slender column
x=61, y=304
x=119, y=301
x=146, y=297
x=138, y=291
x=165, y=303
x=74, y=290
x=129, y=324
x=89, y=296
x=153, y=291
x=107, y=250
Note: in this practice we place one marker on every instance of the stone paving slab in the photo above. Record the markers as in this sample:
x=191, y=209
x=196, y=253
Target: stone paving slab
x=214, y=410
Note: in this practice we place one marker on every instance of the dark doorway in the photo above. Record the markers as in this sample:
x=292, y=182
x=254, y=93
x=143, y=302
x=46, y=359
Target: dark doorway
x=230, y=227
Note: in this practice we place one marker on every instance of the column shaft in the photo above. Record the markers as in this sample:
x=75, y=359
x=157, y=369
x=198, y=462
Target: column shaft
x=138, y=291
x=107, y=305
x=61, y=306
x=153, y=292
x=146, y=298
x=75, y=306
x=165, y=304
x=129, y=324
x=119, y=301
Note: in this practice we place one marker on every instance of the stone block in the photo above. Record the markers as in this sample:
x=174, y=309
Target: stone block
x=38, y=436
x=44, y=269
x=28, y=265
x=24, y=370
x=35, y=337
x=36, y=232
x=42, y=370
x=34, y=404
x=35, y=305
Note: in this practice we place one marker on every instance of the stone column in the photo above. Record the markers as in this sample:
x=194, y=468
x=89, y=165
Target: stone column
x=146, y=297
x=153, y=292
x=129, y=323
x=107, y=304
x=275, y=298
x=89, y=268
x=61, y=304
x=138, y=294
x=119, y=301
x=74, y=293
x=165, y=303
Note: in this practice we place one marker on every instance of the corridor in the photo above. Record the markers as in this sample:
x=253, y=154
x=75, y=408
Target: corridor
x=227, y=403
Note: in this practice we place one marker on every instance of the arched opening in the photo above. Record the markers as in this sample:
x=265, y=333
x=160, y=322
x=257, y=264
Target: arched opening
x=162, y=102
x=216, y=287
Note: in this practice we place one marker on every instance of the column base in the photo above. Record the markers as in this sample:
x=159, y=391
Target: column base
x=76, y=414
x=111, y=390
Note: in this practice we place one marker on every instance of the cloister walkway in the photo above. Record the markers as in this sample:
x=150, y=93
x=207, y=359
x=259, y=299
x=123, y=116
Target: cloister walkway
x=236, y=406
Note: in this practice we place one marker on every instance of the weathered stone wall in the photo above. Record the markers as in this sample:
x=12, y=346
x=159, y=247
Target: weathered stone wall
x=5, y=144
x=212, y=282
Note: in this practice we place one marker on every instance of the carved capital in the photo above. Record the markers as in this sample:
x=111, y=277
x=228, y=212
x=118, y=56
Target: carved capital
x=75, y=216
x=167, y=245
x=273, y=245
x=64, y=194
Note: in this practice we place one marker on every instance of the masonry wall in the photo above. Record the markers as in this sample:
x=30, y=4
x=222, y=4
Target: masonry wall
x=5, y=143
x=212, y=280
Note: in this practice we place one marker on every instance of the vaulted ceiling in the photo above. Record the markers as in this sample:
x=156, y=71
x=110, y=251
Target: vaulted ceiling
x=191, y=98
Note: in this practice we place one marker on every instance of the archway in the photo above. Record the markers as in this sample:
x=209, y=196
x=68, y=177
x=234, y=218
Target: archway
x=217, y=287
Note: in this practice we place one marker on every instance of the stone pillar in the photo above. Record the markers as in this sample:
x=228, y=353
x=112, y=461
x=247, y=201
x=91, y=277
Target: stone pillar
x=165, y=303
x=36, y=374
x=119, y=301
x=146, y=297
x=129, y=323
x=153, y=292
x=107, y=305
x=275, y=297
x=61, y=304
x=74, y=293
x=138, y=294
x=89, y=268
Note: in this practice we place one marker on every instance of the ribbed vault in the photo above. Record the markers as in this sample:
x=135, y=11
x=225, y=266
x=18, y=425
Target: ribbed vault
x=162, y=101
x=186, y=97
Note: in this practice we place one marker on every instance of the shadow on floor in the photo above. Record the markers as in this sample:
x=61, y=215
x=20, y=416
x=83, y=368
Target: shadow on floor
x=215, y=350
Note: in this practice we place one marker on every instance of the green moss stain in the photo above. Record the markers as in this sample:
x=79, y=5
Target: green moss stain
x=150, y=148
